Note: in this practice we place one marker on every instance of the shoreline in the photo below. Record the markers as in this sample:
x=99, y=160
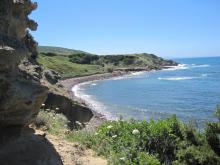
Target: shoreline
x=98, y=117
x=70, y=83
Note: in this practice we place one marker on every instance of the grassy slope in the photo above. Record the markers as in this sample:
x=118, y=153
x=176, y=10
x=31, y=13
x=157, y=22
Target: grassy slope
x=60, y=62
x=58, y=50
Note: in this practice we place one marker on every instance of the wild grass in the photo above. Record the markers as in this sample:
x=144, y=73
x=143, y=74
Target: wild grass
x=65, y=68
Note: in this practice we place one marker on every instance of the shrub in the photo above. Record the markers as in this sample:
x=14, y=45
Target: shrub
x=49, y=54
x=135, y=141
x=40, y=121
x=197, y=155
x=109, y=69
x=166, y=141
x=83, y=58
x=53, y=122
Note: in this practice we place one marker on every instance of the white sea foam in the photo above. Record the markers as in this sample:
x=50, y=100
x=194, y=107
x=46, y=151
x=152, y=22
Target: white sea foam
x=185, y=66
x=201, y=66
x=176, y=78
x=91, y=101
x=178, y=67
x=182, y=78
x=204, y=75
x=93, y=84
x=138, y=73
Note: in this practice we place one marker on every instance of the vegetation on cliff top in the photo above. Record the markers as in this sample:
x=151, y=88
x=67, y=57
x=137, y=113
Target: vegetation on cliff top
x=131, y=142
x=72, y=63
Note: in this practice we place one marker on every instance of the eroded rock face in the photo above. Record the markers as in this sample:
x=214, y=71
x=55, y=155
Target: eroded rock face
x=21, y=93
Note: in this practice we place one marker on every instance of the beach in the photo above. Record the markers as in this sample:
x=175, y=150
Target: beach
x=70, y=83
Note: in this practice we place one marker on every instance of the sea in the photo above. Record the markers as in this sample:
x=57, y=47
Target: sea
x=191, y=91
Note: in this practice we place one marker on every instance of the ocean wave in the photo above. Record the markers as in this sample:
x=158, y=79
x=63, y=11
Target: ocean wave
x=138, y=73
x=201, y=66
x=175, y=78
x=178, y=67
x=185, y=66
x=204, y=75
x=182, y=78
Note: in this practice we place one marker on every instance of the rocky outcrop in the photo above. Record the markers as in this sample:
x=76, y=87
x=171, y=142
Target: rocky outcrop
x=74, y=111
x=52, y=76
x=21, y=92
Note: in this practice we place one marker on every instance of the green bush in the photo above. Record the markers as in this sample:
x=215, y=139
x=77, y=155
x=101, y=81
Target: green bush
x=197, y=155
x=54, y=123
x=166, y=141
x=83, y=58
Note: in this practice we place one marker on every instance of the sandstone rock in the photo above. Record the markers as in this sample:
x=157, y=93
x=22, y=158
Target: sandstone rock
x=52, y=76
x=29, y=149
x=21, y=93
x=72, y=110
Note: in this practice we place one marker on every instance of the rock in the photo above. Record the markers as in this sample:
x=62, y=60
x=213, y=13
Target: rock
x=29, y=149
x=52, y=76
x=21, y=92
x=72, y=110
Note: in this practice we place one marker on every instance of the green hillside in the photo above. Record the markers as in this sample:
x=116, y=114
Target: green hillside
x=58, y=50
x=72, y=63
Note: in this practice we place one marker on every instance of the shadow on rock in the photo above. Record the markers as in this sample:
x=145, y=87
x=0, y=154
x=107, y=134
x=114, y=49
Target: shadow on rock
x=72, y=110
x=27, y=149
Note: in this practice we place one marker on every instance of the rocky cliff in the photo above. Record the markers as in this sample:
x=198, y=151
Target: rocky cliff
x=21, y=93
x=21, y=89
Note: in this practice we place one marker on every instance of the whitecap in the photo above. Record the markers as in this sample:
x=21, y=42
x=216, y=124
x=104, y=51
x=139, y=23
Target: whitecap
x=176, y=78
x=201, y=66
x=138, y=73
x=93, y=84
x=178, y=67
x=204, y=75
x=185, y=66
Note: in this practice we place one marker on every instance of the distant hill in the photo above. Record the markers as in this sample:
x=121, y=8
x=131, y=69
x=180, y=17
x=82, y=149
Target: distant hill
x=58, y=50
x=73, y=63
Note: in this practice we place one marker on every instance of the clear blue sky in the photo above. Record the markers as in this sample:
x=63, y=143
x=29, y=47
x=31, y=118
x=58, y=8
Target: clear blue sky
x=169, y=28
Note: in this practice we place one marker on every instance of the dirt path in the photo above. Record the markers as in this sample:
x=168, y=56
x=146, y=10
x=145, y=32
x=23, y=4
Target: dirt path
x=74, y=153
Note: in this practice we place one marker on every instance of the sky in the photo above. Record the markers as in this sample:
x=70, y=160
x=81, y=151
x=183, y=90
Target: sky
x=168, y=28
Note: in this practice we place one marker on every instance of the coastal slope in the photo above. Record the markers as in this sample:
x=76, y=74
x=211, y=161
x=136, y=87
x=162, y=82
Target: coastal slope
x=73, y=63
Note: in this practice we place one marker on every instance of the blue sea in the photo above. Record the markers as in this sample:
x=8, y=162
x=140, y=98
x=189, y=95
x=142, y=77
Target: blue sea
x=191, y=91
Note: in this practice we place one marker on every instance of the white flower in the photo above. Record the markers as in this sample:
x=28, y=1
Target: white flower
x=42, y=105
x=77, y=122
x=110, y=127
x=57, y=108
x=47, y=109
x=114, y=136
x=122, y=158
x=135, y=132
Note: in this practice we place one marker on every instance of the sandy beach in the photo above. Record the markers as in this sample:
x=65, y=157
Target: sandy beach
x=71, y=82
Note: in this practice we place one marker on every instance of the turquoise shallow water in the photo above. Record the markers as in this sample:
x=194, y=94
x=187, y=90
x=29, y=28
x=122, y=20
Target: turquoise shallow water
x=191, y=91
